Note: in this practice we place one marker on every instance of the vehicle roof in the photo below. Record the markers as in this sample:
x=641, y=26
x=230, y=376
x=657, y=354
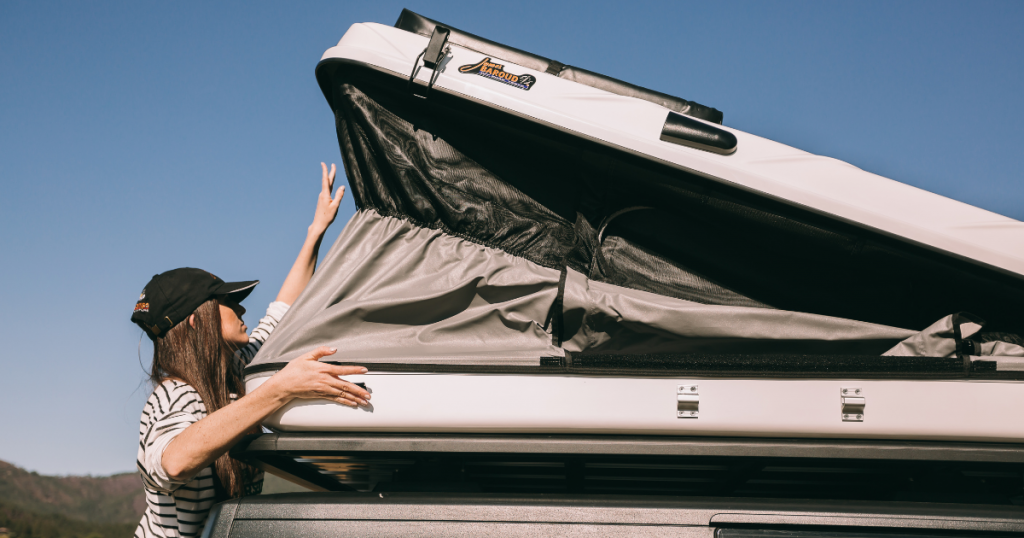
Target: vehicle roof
x=639, y=511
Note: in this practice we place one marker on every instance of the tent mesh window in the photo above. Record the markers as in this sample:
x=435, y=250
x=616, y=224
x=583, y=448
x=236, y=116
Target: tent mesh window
x=561, y=200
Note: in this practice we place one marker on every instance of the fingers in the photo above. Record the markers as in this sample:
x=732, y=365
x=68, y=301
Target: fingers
x=318, y=353
x=327, y=379
x=345, y=370
x=325, y=183
x=348, y=402
x=355, y=398
x=341, y=389
x=338, y=197
x=330, y=177
x=345, y=402
x=349, y=389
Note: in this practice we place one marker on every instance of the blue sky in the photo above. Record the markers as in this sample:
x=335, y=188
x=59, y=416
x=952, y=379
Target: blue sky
x=137, y=137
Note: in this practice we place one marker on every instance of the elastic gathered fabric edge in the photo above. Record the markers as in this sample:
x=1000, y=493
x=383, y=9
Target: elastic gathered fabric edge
x=440, y=226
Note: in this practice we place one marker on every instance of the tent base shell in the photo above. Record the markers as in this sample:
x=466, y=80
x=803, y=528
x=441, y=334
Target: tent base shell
x=950, y=410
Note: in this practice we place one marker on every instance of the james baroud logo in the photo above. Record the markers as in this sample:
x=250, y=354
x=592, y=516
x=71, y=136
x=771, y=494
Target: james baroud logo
x=489, y=69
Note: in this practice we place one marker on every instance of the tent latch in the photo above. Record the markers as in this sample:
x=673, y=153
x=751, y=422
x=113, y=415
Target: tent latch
x=687, y=401
x=433, y=56
x=852, y=402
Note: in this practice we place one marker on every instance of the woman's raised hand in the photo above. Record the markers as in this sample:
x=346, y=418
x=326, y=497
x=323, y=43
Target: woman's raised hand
x=326, y=207
x=307, y=377
x=305, y=263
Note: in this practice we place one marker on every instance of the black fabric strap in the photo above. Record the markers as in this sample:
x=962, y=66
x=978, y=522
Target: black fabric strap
x=161, y=326
x=964, y=348
x=556, y=314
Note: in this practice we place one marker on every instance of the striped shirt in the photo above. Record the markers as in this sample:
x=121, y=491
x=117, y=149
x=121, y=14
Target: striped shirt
x=179, y=508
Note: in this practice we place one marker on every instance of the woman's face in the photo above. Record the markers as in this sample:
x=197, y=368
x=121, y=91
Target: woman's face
x=232, y=327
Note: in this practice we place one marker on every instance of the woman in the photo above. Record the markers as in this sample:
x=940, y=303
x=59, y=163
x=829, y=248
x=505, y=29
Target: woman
x=198, y=409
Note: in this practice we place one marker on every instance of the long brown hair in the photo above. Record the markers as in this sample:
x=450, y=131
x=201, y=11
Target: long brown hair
x=198, y=355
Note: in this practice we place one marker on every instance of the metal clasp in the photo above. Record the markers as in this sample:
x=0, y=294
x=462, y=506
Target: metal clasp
x=433, y=57
x=852, y=403
x=687, y=401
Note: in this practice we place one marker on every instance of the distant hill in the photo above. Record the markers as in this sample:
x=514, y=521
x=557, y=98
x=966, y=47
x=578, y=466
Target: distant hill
x=38, y=506
x=21, y=523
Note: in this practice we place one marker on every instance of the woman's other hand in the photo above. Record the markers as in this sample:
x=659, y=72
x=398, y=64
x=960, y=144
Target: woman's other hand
x=305, y=377
x=308, y=378
x=326, y=207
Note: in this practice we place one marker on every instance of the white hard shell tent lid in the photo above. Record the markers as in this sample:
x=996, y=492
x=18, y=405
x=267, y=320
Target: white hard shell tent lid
x=821, y=184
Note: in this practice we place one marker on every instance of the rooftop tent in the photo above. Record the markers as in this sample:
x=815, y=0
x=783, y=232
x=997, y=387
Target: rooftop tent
x=512, y=208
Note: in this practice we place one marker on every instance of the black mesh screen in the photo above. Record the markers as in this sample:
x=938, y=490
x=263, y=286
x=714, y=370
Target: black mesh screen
x=549, y=196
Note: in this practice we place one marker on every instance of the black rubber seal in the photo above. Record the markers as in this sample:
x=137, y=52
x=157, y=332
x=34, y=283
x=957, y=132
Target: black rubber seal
x=767, y=366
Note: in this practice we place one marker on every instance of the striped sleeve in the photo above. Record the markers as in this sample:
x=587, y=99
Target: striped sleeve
x=173, y=406
x=259, y=335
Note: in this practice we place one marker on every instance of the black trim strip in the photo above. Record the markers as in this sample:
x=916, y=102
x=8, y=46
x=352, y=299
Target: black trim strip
x=770, y=366
x=623, y=445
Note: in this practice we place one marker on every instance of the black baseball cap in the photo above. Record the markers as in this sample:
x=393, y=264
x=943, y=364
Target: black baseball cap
x=171, y=297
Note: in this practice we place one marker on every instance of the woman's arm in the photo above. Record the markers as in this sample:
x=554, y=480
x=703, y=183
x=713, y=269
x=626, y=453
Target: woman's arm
x=305, y=264
x=203, y=442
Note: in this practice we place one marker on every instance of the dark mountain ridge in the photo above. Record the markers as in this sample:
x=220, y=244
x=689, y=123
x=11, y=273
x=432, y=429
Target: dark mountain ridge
x=116, y=500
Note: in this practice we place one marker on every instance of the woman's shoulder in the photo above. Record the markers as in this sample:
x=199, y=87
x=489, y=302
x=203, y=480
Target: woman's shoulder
x=173, y=395
x=173, y=384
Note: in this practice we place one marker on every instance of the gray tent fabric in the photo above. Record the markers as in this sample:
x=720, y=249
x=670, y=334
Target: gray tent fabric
x=1001, y=349
x=613, y=319
x=390, y=291
x=939, y=340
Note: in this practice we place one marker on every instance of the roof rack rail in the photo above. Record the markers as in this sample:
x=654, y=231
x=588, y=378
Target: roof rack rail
x=985, y=473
